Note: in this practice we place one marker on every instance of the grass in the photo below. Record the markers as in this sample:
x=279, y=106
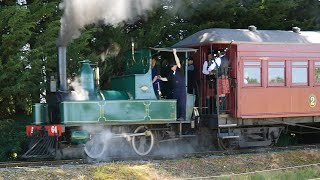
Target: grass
x=204, y=167
x=291, y=174
x=148, y=171
x=215, y=167
x=127, y=171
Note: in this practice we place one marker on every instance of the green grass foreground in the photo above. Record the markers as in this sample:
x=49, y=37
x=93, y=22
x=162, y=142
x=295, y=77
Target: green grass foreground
x=127, y=171
x=146, y=171
x=312, y=172
x=265, y=165
x=291, y=164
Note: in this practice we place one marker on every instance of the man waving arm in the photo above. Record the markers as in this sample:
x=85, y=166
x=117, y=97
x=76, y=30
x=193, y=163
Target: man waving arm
x=176, y=58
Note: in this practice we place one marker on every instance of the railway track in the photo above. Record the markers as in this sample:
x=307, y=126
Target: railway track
x=219, y=153
x=214, y=153
x=253, y=172
x=199, y=154
x=16, y=164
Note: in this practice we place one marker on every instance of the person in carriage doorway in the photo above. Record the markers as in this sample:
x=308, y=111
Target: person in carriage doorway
x=191, y=78
x=155, y=81
x=177, y=79
x=210, y=69
x=210, y=66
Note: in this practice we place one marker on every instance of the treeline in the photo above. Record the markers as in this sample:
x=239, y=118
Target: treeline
x=29, y=32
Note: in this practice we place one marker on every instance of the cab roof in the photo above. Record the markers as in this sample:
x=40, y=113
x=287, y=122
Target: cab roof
x=219, y=35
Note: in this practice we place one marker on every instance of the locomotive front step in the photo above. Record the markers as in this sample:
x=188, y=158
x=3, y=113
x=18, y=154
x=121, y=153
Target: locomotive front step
x=227, y=125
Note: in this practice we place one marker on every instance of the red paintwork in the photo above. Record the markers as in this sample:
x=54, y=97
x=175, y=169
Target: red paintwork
x=264, y=101
x=53, y=130
x=284, y=101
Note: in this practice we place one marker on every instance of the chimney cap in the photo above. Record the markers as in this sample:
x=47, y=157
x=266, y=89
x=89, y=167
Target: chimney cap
x=252, y=28
x=296, y=29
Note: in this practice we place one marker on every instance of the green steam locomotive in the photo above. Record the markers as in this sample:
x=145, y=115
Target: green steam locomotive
x=85, y=119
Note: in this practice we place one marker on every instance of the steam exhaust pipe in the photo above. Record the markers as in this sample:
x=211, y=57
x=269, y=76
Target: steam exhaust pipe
x=62, y=68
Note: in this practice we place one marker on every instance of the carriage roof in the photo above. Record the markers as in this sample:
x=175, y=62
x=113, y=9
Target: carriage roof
x=218, y=35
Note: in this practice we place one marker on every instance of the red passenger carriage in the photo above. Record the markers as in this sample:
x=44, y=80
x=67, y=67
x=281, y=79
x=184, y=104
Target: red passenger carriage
x=274, y=79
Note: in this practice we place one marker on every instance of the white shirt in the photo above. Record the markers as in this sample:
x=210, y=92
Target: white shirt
x=206, y=70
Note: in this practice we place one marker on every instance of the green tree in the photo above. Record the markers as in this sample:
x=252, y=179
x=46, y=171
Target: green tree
x=28, y=52
x=23, y=55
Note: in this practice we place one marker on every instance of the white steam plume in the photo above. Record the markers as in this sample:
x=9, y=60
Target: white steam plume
x=79, y=13
x=79, y=93
x=112, y=51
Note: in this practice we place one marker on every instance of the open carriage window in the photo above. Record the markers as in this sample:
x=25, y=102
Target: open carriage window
x=252, y=73
x=317, y=72
x=300, y=73
x=276, y=73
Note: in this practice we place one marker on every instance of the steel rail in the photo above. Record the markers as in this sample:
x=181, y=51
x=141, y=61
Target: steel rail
x=213, y=153
x=17, y=164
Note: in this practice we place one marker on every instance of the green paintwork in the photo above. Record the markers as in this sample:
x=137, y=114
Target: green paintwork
x=137, y=80
x=114, y=95
x=118, y=111
x=140, y=64
x=87, y=77
x=138, y=86
x=79, y=137
x=40, y=113
x=131, y=100
x=190, y=104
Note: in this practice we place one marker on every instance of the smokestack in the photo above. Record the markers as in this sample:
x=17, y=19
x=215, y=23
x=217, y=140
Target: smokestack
x=62, y=68
x=252, y=28
x=296, y=29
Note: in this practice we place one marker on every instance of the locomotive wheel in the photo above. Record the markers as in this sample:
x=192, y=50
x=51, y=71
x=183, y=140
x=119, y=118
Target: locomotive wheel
x=228, y=144
x=142, y=145
x=95, y=147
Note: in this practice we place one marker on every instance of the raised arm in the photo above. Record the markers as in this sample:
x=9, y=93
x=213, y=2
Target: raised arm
x=176, y=58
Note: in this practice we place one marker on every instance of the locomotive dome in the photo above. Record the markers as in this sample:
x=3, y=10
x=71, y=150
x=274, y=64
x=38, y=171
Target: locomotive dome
x=251, y=35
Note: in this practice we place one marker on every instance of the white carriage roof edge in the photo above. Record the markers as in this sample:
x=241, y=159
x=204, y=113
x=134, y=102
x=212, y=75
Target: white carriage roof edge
x=178, y=49
x=220, y=35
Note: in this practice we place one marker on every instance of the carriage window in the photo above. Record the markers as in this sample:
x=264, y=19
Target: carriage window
x=276, y=73
x=300, y=73
x=317, y=71
x=252, y=73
